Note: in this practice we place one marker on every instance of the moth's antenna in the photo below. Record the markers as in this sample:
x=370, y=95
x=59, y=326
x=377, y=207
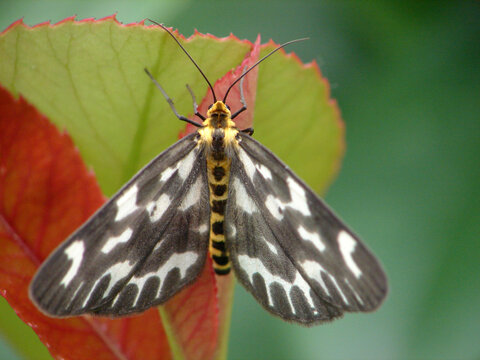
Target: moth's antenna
x=185, y=51
x=258, y=62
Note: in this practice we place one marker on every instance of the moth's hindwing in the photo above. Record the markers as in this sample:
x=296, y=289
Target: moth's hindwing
x=140, y=248
x=287, y=247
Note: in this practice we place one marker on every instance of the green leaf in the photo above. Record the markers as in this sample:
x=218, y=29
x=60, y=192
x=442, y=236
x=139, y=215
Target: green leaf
x=20, y=335
x=46, y=192
x=297, y=120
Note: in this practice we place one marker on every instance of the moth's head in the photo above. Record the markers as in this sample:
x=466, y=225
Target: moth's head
x=219, y=110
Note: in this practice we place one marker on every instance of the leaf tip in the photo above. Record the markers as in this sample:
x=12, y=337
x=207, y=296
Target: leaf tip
x=16, y=23
x=112, y=17
x=230, y=37
x=68, y=19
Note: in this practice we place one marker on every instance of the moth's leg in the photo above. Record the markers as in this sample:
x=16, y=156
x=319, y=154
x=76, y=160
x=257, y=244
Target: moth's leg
x=170, y=102
x=248, y=131
x=195, y=106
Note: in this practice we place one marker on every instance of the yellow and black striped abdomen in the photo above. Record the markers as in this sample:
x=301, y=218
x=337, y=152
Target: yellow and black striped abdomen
x=218, y=177
x=218, y=136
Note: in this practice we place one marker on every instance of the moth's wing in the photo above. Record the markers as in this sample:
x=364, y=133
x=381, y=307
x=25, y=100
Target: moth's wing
x=287, y=247
x=144, y=245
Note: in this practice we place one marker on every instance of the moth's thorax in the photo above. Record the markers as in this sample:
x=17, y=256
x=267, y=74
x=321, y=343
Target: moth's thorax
x=219, y=108
x=219, y=132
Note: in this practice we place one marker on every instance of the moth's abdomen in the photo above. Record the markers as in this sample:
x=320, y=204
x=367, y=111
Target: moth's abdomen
x=218, y=177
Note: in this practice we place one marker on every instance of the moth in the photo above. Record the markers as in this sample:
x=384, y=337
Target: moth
x=218, y=193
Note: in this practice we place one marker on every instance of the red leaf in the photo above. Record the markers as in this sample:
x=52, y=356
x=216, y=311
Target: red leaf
x=193, y=316
x=45, y=193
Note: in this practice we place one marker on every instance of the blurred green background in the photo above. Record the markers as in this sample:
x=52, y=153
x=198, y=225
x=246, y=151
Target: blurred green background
x=407, y=79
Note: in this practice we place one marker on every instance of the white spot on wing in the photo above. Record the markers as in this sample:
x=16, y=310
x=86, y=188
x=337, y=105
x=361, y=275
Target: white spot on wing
x=359, y=299
x=76, y=292
x=232, y=230
x=126, y=203
x=193, y=195
x=298, y=201
x=117, y=272
x=339, y=289
x=272, y=248
x=156, y=208
x=115, y=299
x=251, y=168
x=203, y=228
x=185, y=166
x=247, y=163
x=347, y=246
x=74, y=252
x=298, y=196
x=181, y=261
x=243, y=200
x=167, y=173
x=253, y=266
x=313, y=237
x=157, y=245
x=116, y=240
x=91, y=291
x=314, y=271
x=264, y=171
x=275, y=206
